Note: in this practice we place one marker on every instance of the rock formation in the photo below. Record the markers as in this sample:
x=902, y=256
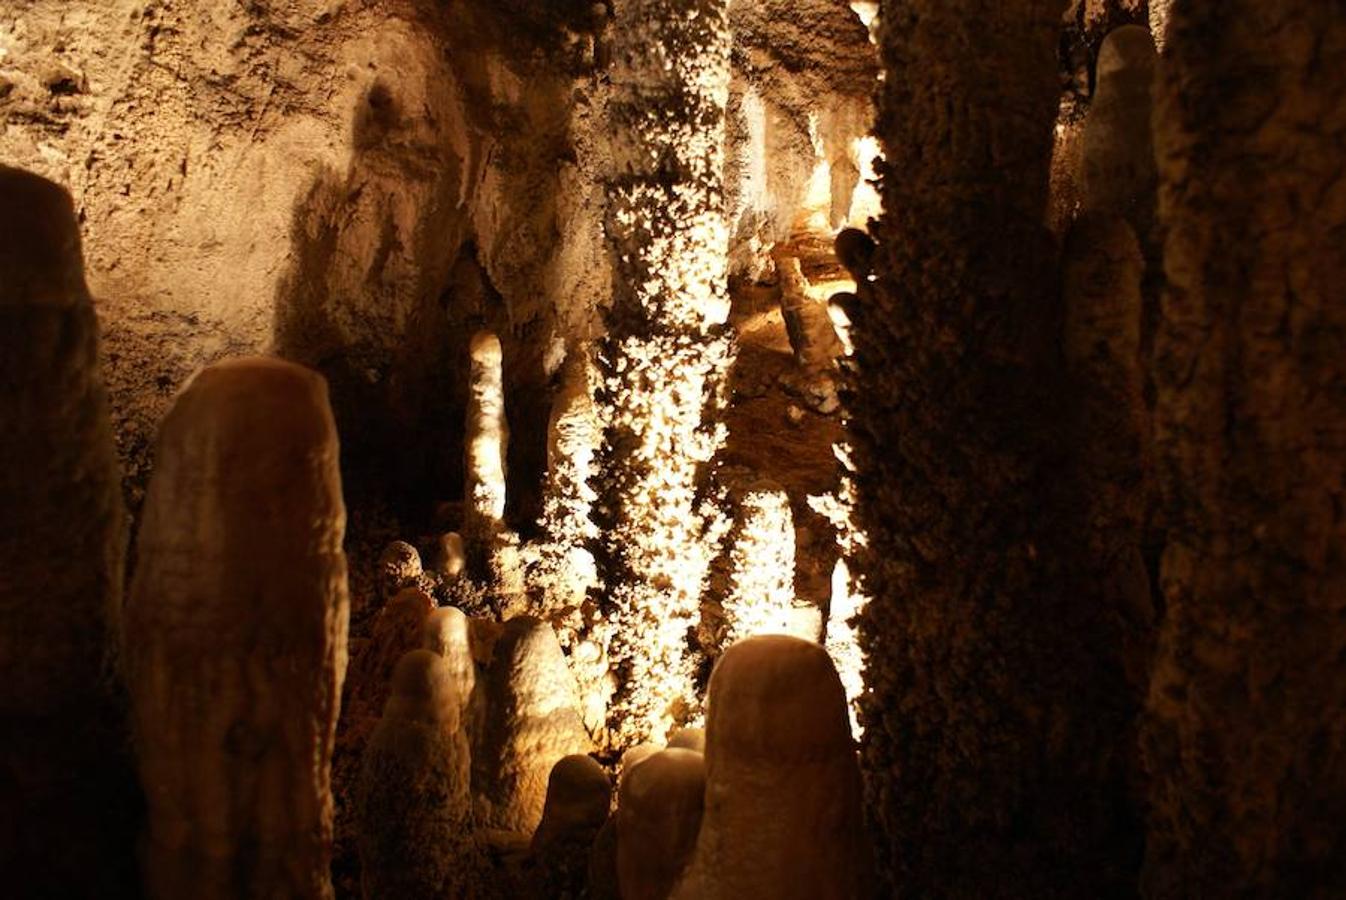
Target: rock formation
x=235, y=636
x=783, y=810
x=63, y=752
x=448, y=632
x=1244, y=736
x=579, y=796
x=658, y=819
x=396, y=629
x=992, y=729
x=414, y=801
x=487, y=438
x=530, y=710
x=664, y=360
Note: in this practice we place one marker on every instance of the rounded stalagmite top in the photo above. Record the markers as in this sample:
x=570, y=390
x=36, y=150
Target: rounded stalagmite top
x=423, y=690
x=775, y=697
x=1128, y=47
x=40, y=259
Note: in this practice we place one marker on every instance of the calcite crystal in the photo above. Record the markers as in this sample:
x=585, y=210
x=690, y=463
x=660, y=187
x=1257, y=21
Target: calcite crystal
x=235, y=636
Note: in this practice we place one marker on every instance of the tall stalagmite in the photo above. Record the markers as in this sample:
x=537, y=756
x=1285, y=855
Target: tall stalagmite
x=1246, y=732
x=235, y=636
x=664, y=359
x=65, y=778
x=996, y=707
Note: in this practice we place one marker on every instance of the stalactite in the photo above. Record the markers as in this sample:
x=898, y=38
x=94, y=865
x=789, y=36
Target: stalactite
x=664, y=360
x=235, y=636
x=1244, y=736
x=992, y=727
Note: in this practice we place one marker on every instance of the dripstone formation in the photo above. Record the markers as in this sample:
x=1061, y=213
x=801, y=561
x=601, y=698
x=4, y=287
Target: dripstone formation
x=783, y=814
x=65, y=779
x=235, y=636
x=415, y=799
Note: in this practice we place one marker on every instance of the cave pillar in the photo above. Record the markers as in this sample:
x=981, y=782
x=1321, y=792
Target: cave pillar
x=997, y=701
x=1245, y=737
x=666, y=353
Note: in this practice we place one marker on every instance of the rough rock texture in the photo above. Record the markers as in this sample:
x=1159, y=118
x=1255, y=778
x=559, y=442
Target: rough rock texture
x=993, y=727
x=65, y=777
x=414, y=797
x=1247, y=708
x=529, y=720
x=783, y=815
x=235, y=636
x=665, y=357
x=760, y=592
x=579, y=797
x=658, y=819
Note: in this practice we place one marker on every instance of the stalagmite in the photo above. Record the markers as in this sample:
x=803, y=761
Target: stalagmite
x=448, y=632
x=807, y=323
x=666, y=354
x=761, y=591
x=658, y=818
x=688, y=739
x=486, y=439
x=531, y=710
x=235, y=635
x=1244, y=738
x=1120, y=177
x=579, y=796
x=996, y=723
x=62, y=538
x=399, y=568
x=565, y=568
x=396, y=629
x=783, y=816
x=414, y=800
x=450, y=558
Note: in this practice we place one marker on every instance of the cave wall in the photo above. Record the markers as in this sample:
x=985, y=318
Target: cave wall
x=361, y=185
